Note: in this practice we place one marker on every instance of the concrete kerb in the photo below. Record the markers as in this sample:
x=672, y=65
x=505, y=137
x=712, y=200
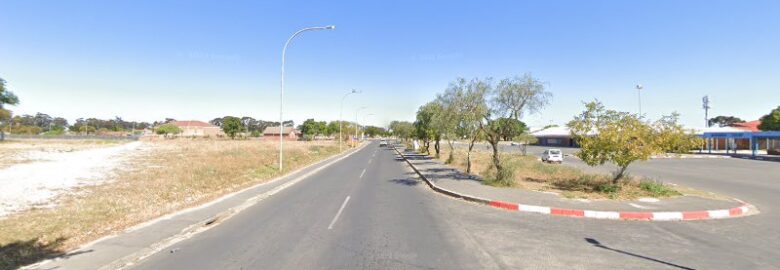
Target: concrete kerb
x=203, y=225
x=744, y=209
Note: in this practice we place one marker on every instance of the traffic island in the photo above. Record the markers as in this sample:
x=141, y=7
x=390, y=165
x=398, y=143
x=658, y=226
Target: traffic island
x=450, y=181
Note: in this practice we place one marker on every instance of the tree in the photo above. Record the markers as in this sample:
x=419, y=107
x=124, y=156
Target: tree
x=671, y=137
x=511, y=98
x=724, y=121
x=608, y=135
x=771, y=121
x=521, y=94
x=6, y=98
x=402, y=129
x=472, y=108
x=423, y=125
x=163, y=129
x=232, y=126
x=333, y=127
x=509, y=128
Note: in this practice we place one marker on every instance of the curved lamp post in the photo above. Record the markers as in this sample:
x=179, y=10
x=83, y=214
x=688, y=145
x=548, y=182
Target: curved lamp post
x=341, y=113
x=281, y=93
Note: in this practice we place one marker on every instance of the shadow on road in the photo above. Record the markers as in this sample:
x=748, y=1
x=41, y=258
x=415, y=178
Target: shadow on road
x=20, y=253
x=596, y=243
x=406, y=181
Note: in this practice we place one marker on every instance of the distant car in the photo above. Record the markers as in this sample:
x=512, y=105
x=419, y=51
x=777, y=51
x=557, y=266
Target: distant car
x=552, y=156
x=382, y=143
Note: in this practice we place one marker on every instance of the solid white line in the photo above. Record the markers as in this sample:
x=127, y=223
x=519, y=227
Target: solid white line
x=361, y=174
x=338, y=213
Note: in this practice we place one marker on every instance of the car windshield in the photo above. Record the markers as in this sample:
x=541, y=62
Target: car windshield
x=555, y=152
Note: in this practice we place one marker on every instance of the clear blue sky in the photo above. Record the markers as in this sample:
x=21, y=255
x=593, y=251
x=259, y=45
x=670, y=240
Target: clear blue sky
x=146, y=60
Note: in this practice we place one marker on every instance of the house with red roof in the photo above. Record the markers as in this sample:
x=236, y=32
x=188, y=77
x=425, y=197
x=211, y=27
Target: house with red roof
x=194, y=128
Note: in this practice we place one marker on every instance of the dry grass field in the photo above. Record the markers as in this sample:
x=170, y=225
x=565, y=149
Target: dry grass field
x=170, y=175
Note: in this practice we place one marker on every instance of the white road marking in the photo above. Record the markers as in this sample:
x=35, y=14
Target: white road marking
x=338, y=213
x=640, y=206
x=361, y=174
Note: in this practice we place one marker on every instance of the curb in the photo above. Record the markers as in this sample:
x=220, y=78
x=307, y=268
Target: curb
x=744, y=209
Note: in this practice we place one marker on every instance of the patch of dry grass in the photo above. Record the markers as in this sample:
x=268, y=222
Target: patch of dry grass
x=570, y=182
x=175, y=174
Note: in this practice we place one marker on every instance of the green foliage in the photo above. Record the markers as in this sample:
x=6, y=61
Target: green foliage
x=509, y=128
x=164, y=129
x=620, y=137
x=724, y=121
x=26, y=130
x=771, y=121
x=310, y=127
x=658, y=189
x=672, y=138
x=402, y=129
x=232, y=126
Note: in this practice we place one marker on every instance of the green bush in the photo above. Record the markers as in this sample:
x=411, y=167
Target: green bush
x=658, y=189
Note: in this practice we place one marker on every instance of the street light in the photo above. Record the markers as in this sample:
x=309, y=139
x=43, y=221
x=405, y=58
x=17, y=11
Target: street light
x=356, y=122
x=341, y=113
x=639, y=95
x=281, y=93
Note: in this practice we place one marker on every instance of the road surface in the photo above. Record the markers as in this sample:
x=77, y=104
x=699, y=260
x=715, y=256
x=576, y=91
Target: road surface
x=369, y=211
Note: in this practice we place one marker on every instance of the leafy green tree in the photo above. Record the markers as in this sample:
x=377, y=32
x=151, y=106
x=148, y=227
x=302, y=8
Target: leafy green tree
x=724, y=121
x=164, y=129
x=423, y=125
x=333, y=128
x=612, y=136
x=771, y=121
x=509, y=128
x=671, y=137
x=402, y=129
x=6, y=98
x=309, y=128
x=232, y=126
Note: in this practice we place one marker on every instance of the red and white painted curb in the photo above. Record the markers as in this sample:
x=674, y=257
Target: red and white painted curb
x=648, y=216
x=743, y=209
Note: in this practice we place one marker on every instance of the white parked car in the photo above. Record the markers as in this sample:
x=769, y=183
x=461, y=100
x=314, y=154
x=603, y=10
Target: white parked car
x=552, y=156
x=382, y=143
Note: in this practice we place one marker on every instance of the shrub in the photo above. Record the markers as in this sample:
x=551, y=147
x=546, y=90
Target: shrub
x=658, y=189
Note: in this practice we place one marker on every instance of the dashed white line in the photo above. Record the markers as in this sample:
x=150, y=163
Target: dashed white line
x=361, y=174
x=338, y=213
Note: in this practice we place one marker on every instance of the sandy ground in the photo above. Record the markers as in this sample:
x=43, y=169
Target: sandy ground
x=48, y=172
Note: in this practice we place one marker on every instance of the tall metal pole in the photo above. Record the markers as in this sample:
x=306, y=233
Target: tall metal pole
x=281, y=92
x=639, y=96
x=341, y=113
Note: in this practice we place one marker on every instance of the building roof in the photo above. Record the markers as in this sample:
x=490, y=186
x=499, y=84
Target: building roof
x=192, y=123
x=275, y=130
x=552, y=132
x=719, y=130
x=748, y=126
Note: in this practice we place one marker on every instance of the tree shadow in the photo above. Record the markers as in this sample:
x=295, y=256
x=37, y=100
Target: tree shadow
x=405, y=181
x=596, y=243
x=20, y=253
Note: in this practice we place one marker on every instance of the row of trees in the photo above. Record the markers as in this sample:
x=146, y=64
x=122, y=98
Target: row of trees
x=312, y=128
x=478, y=109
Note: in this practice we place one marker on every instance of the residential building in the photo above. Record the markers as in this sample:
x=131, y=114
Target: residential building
x=290, y=133
x=198, y=129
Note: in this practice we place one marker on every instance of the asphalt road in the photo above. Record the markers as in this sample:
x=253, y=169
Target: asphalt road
x=369, y=211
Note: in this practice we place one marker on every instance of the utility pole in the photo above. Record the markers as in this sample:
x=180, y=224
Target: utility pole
x=705, y=104
x=639, y=96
